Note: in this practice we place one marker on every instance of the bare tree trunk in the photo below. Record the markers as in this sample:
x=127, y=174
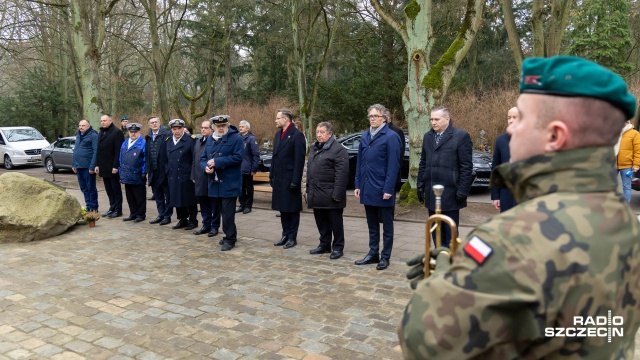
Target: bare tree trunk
x=427, y=85
x=537, y=23
x=557, y=25
x=512, y=32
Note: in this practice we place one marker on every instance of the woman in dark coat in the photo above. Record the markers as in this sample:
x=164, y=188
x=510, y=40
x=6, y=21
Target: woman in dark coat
x=133, y=171
x=327, y=177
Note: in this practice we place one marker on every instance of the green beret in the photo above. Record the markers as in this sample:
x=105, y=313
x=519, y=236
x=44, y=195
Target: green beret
x=124, y=118
x=576, y=77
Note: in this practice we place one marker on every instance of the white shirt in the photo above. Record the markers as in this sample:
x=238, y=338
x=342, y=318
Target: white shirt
x=175, y=141
x=131, y=142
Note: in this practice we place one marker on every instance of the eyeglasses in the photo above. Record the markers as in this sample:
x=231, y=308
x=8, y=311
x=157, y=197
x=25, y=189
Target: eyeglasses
x=375, y=116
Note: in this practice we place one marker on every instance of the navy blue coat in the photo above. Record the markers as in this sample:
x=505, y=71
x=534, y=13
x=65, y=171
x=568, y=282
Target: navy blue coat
x=287, y=165
x=133, y=162
x=86, y=150
x=251, y=158
x=502, y=155
x=201, y=180
x=179, y=158
x=450, y=163
x=377, y=167
x=156, y=155
x=226, y=181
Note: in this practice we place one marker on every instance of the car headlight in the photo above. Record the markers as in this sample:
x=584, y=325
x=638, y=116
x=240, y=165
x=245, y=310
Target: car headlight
x=17, y=152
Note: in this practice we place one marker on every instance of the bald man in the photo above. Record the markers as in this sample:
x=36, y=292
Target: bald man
x=501, y=196
x=84, y=162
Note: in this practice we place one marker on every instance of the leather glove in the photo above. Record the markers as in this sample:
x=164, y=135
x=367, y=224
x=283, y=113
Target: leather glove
x=336, y=200
x=294, y=187
x=421, y=195
x=442, y=259
x=144, y=178
x=460, y=199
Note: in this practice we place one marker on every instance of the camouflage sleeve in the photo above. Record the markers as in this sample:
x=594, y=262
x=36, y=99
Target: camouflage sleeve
x=479, y=307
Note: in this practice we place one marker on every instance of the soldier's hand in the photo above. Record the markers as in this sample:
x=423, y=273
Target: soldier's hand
x=443, y=259
x=416, y=272
x=421, y=195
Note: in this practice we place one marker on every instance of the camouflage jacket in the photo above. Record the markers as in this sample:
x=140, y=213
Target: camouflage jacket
x=570, y=248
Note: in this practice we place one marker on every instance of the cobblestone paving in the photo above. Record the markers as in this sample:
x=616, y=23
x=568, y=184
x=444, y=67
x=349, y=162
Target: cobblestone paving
x=125, y=291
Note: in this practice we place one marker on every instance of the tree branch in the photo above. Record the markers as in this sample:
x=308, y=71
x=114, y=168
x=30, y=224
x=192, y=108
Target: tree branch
x=390, y=20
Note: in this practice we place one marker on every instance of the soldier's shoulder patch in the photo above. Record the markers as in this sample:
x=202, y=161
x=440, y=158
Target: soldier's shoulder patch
x=478, y=250
x=193, y=136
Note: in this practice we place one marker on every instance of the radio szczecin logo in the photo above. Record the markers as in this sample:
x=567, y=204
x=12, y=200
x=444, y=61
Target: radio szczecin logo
x=590, y=326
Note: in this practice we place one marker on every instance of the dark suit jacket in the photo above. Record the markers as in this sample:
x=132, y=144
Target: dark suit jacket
x=449, y=164
x=287, y=165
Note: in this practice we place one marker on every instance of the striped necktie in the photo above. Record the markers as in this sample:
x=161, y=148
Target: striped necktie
x=437, y=138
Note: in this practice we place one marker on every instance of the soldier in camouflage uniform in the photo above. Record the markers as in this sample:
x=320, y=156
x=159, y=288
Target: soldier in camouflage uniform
x=571, y=247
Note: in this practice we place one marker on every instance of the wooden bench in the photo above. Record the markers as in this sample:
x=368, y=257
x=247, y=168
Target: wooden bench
x=262, y=177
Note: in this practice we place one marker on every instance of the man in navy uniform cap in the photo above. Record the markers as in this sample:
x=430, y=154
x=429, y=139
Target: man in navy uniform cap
x=179, y=159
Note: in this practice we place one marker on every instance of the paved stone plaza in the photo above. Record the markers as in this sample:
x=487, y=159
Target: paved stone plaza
x=141, y=291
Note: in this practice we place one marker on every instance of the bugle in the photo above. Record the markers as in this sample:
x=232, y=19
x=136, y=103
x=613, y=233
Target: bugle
x=434, y=223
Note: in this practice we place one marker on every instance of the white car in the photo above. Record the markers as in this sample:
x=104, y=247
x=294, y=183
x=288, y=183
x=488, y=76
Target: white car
x=21, y=145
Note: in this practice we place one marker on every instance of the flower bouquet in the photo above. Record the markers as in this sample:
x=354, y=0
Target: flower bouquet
x=90, y=217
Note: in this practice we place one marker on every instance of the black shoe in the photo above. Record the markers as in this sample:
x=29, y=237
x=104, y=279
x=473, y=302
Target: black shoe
x=369, y=259
x=156, y=220
x=139, y=219
x=165, y=221
x=228, y=245
x=180, y=224
x=319, y=250
x=107, y=213
x=191, y=226
x=152, y=198
x=129, y=218
x=114, y=215
x=290, y=243
x=383, y=264
x=203, y=230
x=239, y=209
x=278, y=215
x=246, y=210
x=213, y=233
x=281, y=242
x=335, y=254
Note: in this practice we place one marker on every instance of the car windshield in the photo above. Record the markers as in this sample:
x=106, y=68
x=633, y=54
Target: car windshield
x=15, y=135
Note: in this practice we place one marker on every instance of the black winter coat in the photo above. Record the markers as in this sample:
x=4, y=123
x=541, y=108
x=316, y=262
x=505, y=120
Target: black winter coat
x=327, y=176
x=109, y=143
x=179, y=159
x=156, y=155
x=450, y=164
x=287, y=164
x=200, y=177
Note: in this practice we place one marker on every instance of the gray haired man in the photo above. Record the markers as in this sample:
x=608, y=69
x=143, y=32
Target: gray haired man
x=250, y=161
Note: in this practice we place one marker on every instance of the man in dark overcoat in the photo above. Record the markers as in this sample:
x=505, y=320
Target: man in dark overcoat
x=210, y=214
x=222, y=161
x=285, y=176
x=446, y=160
x=179, y=160
x=327, y=177
x=107, y=162
x=376, y=171
x=501, y=196
x=156, y=141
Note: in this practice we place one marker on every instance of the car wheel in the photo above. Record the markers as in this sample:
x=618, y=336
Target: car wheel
x=7, y=163
x=50, y=166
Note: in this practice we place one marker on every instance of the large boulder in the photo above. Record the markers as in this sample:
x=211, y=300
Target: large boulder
x=34, y=209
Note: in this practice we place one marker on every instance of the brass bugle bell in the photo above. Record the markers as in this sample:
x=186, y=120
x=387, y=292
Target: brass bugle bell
x=434, y=223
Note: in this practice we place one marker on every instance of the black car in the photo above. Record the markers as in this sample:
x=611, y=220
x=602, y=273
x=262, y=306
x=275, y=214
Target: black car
x=265, y=159
x=59, y=154
x=635, y=181
x=481, y=161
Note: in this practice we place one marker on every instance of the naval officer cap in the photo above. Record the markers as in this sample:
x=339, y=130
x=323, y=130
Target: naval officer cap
x=134, y=127
x=573, y=76
x=176, y=123
x=220, y=120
